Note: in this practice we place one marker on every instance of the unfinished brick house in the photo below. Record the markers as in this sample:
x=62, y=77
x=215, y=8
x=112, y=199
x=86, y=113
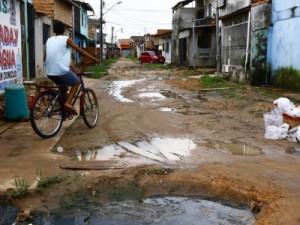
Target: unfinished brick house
x=56, y=9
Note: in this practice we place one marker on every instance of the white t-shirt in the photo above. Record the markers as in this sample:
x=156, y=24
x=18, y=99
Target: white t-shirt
x=58, y=56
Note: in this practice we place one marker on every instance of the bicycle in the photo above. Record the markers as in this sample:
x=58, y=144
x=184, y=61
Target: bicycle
x=47, y=110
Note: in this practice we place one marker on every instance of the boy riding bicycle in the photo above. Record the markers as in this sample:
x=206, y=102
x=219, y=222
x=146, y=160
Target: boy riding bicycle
x=57, y=58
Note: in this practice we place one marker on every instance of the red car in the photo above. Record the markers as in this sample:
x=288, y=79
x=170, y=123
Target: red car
x=151, y=57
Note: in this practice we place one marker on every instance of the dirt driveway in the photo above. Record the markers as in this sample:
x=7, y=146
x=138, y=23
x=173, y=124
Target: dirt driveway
x=173, y=138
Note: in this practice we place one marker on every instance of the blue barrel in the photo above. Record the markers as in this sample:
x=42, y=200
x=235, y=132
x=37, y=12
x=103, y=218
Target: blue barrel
x=15, y=102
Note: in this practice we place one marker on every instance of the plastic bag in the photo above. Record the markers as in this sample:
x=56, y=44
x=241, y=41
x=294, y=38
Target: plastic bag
x=273, y=118
x=274, y=132
x=293, y=134
x=284, y=105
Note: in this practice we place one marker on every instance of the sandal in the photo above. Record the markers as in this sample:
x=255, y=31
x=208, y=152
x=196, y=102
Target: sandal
x=71, y=109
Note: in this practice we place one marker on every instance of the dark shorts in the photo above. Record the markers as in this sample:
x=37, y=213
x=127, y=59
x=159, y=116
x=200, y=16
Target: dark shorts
x=66, y=80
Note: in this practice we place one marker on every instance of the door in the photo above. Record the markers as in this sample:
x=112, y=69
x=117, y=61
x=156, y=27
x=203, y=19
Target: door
x=182, y=51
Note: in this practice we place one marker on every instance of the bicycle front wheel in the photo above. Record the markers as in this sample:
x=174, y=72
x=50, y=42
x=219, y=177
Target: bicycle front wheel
x=89, y=108
x=46, y=115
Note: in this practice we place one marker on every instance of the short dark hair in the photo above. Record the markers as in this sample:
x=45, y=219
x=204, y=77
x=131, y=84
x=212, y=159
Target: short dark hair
x=58, y=27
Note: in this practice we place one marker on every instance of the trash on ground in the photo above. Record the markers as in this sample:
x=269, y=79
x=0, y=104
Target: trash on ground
x=274, y=132
x=283, y=121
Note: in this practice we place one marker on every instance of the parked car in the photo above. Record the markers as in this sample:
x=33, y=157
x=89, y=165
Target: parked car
x=161, y=59
x=151, y=57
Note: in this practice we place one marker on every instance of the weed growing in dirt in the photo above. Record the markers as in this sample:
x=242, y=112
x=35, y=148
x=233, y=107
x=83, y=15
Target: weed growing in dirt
x=46, y=181
x=133, y=58
x=21, y=188
x=213, y=81
x=100, y=70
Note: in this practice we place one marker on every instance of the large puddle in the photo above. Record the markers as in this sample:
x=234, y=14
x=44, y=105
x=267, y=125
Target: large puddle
x=117, y=87
x=151, y=211
x=160, y=149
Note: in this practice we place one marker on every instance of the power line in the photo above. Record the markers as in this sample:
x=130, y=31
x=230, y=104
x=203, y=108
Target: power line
x=142, y=10
x=131, y=20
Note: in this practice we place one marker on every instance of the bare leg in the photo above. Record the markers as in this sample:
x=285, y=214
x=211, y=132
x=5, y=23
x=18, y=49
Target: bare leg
x=73, y=92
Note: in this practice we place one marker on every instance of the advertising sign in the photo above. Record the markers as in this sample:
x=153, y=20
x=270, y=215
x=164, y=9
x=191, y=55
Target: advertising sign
x=10, y=44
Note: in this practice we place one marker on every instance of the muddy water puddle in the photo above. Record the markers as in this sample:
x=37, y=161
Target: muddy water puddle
x=8, y=214
x=170, y=94
x=116, y=89
x=159, y=149
x=162, y=211
x=234, y=148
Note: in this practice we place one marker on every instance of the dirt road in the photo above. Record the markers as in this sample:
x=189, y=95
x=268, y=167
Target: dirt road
x=174, y=138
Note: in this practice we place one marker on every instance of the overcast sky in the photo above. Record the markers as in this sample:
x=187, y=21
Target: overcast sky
x=134, y=17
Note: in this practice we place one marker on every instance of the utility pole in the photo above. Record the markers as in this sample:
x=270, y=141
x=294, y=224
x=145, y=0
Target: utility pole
x=101, y=32
x=218, y=55
x=112, y=35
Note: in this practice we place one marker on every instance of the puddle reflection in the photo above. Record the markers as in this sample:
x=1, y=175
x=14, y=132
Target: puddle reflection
x=117, y=86
x=155, y=95
x=157, y=149
x=235, y=148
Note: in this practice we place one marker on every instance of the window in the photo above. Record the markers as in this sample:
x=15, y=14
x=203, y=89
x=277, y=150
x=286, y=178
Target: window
x=200, y=14
x=204, y=39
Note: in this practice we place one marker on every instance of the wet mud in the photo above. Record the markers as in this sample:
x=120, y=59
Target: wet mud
x=161, y=136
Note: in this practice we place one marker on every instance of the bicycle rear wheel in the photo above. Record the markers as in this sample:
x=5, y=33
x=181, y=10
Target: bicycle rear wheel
x=89, y=108
x=46, y=114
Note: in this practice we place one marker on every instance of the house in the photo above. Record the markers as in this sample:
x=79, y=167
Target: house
x=244, y=29
x=194, y=33
x=284, y=42
x=46, y=12
x=135, y=43
x=124, y=45
x=81, y=27
x=163, y=43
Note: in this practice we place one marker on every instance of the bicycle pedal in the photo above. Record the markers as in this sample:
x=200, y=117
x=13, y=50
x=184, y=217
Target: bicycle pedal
x=68, y=115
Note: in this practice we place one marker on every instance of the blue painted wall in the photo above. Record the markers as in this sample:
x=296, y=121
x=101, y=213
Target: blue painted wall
x=285, y=34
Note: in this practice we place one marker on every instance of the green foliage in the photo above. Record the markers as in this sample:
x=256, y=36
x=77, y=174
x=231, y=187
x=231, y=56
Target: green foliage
x=46, y=181
x=101, y=70
x=212, y=81
x=288, y=78
x=133, y=58
x=21, y=188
